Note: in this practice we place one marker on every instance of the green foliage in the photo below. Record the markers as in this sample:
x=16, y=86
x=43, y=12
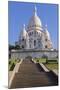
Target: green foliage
x=11, y=47
x=40, y=60
x=9, y=62
x=12, y=63
x=12, y=66
x=52, y=66
x=45, y=60
x=17, y=47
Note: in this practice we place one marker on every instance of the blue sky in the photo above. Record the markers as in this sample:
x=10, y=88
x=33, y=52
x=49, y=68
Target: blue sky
x=19, y=13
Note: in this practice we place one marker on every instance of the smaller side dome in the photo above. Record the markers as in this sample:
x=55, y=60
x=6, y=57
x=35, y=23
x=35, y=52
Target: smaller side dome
x=46, y=32
x=24, y=32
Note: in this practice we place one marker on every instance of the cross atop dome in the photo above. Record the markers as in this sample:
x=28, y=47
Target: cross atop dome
x=35, y=11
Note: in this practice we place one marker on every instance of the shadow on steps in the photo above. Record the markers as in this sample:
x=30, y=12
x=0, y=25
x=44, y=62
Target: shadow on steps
x=39, y=67
x=53, y=78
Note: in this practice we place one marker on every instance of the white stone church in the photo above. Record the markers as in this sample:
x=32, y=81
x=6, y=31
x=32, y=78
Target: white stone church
x=35, y=36
x=34, y=40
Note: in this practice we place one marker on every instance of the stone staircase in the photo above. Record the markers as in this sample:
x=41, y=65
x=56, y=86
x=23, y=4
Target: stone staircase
x=31, y=75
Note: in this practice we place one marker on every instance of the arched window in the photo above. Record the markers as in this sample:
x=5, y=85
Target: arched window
x=22, y=46
x=39, y=42
x=46, y=39
x=23, y=39
x=37, y=32
x=31, y=33
x=34, y=42
x=45, y=46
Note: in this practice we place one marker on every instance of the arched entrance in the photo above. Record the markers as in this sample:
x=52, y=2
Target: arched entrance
x=28, y=58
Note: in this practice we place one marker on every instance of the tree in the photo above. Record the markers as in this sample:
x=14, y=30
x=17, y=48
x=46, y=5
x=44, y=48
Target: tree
x=11, y=47
x=17, y=47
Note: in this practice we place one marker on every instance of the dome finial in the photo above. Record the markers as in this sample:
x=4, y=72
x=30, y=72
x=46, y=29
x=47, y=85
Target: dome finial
x=35, y=11
x=24, y=26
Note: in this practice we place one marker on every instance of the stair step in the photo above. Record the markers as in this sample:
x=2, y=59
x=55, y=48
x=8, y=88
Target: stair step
x=31, y=75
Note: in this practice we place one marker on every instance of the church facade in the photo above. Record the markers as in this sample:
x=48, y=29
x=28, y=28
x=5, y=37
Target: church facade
x=34, y=40
x=35, y=36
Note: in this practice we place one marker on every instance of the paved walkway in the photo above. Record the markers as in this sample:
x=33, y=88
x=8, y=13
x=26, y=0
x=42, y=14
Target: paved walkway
x=30, y=75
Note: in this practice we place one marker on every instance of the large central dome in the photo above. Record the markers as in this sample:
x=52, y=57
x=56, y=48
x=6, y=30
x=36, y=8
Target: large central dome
x=35, y=20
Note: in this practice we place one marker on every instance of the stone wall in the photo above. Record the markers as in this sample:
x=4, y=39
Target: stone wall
x=33, y=53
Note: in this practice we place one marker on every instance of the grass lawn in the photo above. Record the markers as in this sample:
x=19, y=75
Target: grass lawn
x=52, y=66
x=40, y=60
x=44, y=60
